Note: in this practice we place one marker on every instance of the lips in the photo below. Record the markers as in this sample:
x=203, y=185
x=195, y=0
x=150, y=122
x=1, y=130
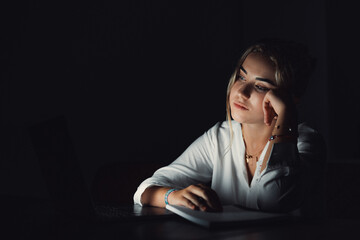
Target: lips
x=240, y=106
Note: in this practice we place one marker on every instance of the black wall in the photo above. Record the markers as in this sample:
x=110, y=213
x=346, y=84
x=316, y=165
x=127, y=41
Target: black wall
x=140, y=80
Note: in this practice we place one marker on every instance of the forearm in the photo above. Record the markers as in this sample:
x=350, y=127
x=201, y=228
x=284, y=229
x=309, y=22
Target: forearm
x=285, y=130
x=154, y=196
x=197, y=196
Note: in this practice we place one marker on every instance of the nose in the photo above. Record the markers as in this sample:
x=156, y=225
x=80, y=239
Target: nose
x=244, y=91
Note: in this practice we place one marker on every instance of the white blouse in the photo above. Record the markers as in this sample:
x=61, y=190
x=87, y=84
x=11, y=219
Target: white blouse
x=211, y=159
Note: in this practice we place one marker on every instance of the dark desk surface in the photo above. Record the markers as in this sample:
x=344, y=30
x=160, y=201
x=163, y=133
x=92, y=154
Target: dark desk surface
x=31, y=219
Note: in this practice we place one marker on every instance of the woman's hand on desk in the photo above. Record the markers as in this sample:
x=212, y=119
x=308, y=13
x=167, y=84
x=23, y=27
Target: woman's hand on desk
x=197, y=197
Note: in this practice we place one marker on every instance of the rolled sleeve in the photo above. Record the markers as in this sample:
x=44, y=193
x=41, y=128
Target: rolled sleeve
x=192, y=167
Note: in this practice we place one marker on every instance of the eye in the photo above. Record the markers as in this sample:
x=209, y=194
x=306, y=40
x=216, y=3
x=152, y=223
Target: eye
x=240, y=77
x=261, y=89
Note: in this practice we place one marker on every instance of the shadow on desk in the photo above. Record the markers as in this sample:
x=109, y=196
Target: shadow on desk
x=33, y=219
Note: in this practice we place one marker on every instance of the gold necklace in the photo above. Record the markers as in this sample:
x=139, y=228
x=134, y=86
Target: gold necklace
x=248, y=157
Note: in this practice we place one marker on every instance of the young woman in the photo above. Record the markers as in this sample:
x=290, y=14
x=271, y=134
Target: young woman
x=259, y=158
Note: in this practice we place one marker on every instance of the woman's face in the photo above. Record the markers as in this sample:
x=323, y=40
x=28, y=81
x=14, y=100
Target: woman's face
x=254, y=79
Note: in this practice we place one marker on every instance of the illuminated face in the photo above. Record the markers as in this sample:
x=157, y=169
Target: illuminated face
x=254, y=79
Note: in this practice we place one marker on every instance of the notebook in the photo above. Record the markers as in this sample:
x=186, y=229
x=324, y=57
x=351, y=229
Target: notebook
x=65, y=182
x=231, y=215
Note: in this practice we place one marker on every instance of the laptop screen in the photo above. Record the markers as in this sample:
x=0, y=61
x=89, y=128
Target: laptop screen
x=60, y=168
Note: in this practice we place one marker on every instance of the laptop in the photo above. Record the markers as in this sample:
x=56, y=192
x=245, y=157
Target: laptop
x=231, y=216
x=65, y=182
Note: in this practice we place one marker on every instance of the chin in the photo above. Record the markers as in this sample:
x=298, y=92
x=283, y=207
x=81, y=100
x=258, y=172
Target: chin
x=246, y=120
x=238, y=118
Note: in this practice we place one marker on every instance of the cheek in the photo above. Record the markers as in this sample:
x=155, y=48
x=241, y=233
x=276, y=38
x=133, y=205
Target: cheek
x=235, y=88
x=232, y=93
x=259, y=98
x=258, y=101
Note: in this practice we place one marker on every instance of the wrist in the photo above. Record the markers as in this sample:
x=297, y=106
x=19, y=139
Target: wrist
x=285, y=127
x=285, y=120
x=167, y=194
x=284, y=131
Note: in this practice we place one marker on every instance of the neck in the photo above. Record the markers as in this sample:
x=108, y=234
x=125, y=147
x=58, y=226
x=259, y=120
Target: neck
x=256, y=135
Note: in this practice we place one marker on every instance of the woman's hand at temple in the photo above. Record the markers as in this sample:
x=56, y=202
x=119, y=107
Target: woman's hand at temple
x=277, y=105
x=197, y=197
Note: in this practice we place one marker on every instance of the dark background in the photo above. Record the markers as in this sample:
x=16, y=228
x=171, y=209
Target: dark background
x=140, y=80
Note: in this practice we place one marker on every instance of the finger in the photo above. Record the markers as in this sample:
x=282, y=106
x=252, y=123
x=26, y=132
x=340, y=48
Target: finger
x=187, y=203
x=214, y=204
x=271, y=116
x=266, y=110
x=196, y=200
x=195, y=194
x=210, y=197
x=183, y=201
x=213, y=198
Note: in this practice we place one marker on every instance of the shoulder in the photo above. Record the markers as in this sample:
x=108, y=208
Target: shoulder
x=221, y=133
x=222, y=129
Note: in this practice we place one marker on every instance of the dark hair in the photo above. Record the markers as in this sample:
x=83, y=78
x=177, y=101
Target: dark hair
x=294, y=65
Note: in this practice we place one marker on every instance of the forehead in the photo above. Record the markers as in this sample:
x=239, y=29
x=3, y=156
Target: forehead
x=259, y=66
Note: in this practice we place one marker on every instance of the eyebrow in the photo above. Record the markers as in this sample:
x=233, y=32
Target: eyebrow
x=265, y=80
x=259, y=78
x=241, y=67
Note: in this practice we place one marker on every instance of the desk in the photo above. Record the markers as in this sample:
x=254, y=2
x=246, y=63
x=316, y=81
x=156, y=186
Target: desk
x=33, y=219
x=180, y=229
